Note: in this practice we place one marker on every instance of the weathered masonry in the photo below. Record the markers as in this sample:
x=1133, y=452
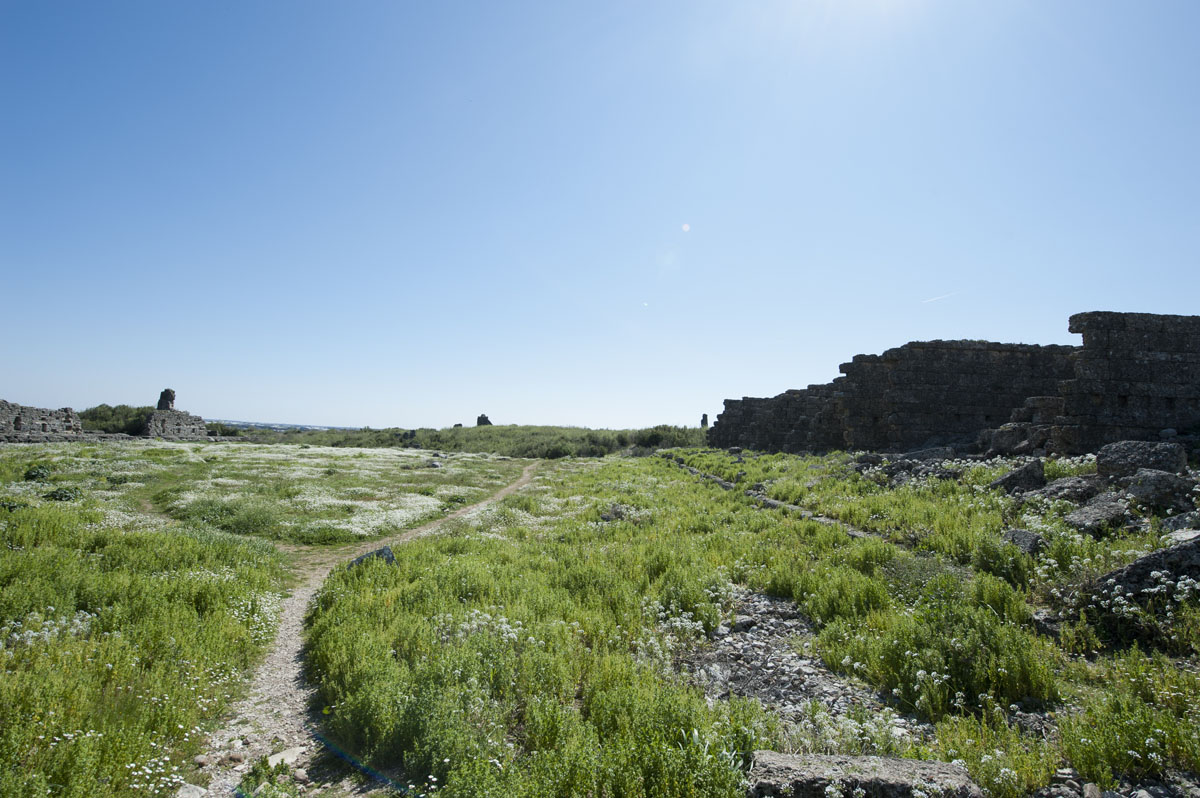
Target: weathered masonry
x=22, y=424
x=37, y=420
x=1136, y=376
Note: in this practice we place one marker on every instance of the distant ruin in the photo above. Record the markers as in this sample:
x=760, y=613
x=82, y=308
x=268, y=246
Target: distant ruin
x=23, y=420
x=1136, y=376
x=22, y=424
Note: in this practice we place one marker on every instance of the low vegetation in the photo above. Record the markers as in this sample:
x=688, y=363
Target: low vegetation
x=534, y=647
x=120, y=637
x=548, y=443
x=122, y=418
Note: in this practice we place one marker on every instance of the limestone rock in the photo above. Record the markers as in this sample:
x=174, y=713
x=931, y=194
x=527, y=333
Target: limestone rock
x=1125, y=458
x=1161, y=491
x=287, y=756
x=191, y=791
x=166, y=399
x=1073, y=489
x=384, y=554
x=1186, y=521
x=1030, y=476
x=1146, y=573
x=1099, y=515
x=808, y=776
x=1028, y=542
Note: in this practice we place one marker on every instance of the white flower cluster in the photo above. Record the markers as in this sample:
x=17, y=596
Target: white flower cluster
x=44, y=627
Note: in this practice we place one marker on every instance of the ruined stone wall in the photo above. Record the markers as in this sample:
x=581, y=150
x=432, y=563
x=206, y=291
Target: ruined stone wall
x=921, y=394
x=20, y=419
x=1136, y=375
x=175, y=424
x=930, y=393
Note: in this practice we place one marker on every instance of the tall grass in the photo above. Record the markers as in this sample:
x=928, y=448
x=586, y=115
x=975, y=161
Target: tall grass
x=117, y=646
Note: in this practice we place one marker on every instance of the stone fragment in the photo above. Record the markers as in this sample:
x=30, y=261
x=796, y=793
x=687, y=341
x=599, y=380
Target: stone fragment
x=1029, y=542
x=931, y=453
x=1161, y=491
x=1091, y=790
x=1181, y=522
x=287, y=756
x=1124, y=458
x=1148, y=572
x=191, y=791
x=1030, y=476
x=810, y=775
x=384, y=554
x=300, y=775
x=1072, y=489
x=1099, y=515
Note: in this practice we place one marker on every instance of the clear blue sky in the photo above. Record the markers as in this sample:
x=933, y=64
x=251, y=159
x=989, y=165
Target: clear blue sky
x=405, y=214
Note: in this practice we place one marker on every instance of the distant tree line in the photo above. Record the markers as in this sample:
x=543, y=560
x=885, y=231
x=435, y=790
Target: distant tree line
x=511, y=440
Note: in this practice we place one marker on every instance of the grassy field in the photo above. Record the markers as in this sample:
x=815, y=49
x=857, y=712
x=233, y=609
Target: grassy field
x=510, y=440
x=138, y=583
x=534, y=647
x=121, y=634
x=531, y=651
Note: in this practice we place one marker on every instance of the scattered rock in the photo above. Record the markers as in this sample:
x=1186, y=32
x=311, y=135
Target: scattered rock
x=743, y=623
x=1072, y=489
x=300, y=775
x=1124, y=458
x=1099, y=515
x=1029, y=542
x=1091, y=790
x=384, y=554
x=1186, y=521
x=1148, y=572
x=287, y=756
x=932, y=453
x=191, y=791
x=1030, y=476
x=809, y=775
x=1182, y=536
x=762, y=660
x=1161, y=490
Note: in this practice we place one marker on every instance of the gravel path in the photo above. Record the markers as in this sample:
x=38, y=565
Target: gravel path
x=275, y=715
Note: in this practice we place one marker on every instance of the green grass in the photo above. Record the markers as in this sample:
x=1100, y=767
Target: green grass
x=530, y=648
x=117, y=645
x=512, y=440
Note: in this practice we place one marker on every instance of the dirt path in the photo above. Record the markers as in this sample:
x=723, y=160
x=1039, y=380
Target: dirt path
x=275, y=716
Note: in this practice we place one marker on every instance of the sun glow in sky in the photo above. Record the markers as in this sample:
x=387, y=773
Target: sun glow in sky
x=616, y=214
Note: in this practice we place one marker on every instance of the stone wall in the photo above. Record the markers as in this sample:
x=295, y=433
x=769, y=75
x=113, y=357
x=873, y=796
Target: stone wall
x=21, y=424
x=937, y=392
x=924, y=393
x=175, y=424
x=1136, y=376
x=19, y=419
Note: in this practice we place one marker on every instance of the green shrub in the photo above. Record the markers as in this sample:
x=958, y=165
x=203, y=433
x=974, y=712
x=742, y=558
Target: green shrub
x=66, y=493
x=37, y=473
x=1142, y=722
